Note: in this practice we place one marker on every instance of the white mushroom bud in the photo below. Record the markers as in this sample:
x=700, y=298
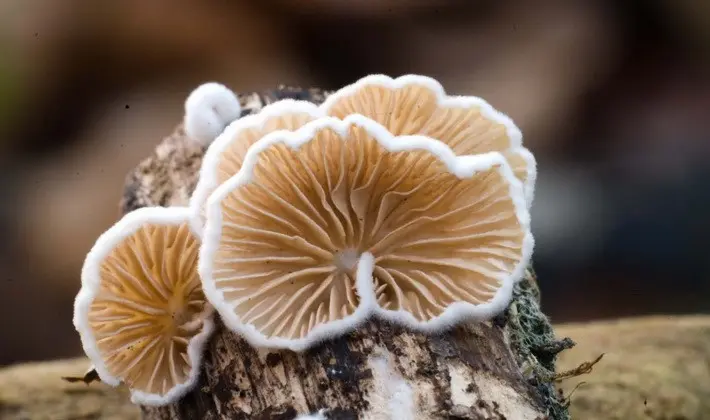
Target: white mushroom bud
x=208, y=110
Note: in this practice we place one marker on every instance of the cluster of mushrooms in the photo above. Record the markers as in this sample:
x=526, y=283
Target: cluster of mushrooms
x=391, y=199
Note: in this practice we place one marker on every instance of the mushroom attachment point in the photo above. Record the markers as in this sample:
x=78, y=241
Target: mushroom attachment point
x=141, y=313
x=225, y=155
x=327, y=225
x=208, y=110
x=418, y=105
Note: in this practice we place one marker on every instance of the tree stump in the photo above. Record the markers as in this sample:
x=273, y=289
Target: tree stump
x=502, y=369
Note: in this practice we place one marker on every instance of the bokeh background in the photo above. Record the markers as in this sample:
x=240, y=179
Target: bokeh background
x=612, y=96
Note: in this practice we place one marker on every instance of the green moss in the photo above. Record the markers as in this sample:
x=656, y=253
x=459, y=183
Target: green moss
x=533, y=342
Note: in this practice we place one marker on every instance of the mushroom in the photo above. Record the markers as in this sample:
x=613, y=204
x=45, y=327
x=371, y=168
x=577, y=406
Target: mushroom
x=141, y=312
x=225, y=155
x=418, y=105
x=324, y=226
x=208, y=110
x=407, y=105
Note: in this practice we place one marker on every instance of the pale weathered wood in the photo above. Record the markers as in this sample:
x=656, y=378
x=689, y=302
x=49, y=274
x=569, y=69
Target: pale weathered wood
x=653, y=368
x=470, y=372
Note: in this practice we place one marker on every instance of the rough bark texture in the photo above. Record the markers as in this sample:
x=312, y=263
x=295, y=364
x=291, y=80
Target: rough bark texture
x=653, y=368
x=379, y=371
x=468, y=373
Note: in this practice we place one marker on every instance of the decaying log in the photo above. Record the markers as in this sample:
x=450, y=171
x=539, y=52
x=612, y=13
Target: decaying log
x=379, y=371
x=469, y=373
x=653, y=368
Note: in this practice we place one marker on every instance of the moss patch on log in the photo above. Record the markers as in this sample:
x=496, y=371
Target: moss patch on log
x=533, y=342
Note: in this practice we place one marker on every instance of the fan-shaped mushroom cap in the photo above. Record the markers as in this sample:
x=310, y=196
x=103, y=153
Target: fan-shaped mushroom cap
x=224, y=157
x=418, y=105
x=324, y=226
x=141, y=312
x=208, y=110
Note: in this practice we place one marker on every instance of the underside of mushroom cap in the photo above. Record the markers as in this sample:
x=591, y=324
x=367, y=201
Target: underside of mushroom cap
x=418, y=105
x=208, y=110
x=141, y=313
x=225, y=155
x=326, y=225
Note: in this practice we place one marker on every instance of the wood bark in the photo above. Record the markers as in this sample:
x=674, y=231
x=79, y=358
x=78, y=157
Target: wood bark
x=468, y=373
x=653, y=368
x=379, y=371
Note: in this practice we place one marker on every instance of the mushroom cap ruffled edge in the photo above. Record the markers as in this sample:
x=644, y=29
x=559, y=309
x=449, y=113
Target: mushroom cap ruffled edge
x=445, y=100
x=90, y=285
x=207, y=180
x=531, y=180
x=208, y=110
x=461, y=166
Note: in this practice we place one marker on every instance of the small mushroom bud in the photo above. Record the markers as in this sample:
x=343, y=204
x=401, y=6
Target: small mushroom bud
x=208, y=110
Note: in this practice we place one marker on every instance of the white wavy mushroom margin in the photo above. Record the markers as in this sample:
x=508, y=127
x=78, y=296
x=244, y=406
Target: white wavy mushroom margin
x=208, y=177
x=461, y=166
x=91, y=284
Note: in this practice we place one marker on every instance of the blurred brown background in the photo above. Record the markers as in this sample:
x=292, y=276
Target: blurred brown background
x=612, y=96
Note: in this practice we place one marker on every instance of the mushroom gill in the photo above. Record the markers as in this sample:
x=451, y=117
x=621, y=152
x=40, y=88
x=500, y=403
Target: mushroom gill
x=324, y=226
x=225, y=156
x=141, y=313
x=418, y=105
